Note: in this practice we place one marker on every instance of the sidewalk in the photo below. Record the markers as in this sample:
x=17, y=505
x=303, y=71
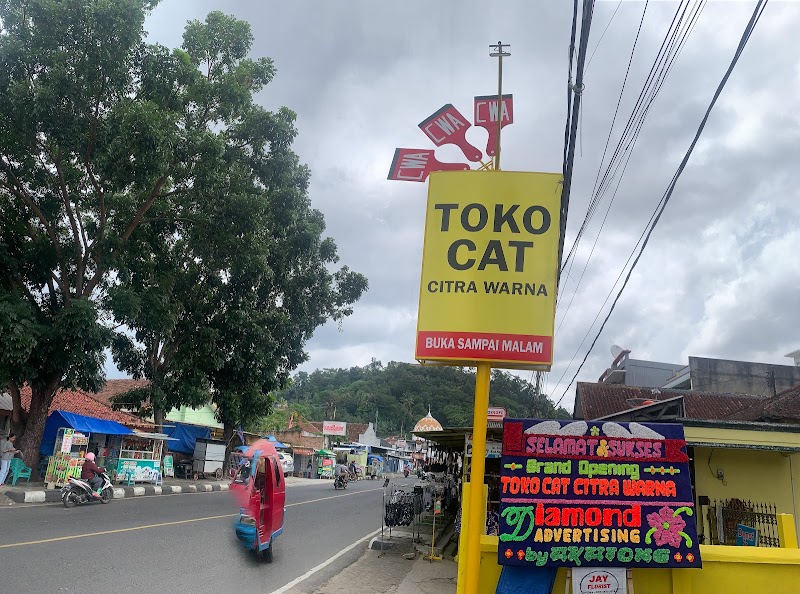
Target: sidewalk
x=400, y=568
x=37, y=493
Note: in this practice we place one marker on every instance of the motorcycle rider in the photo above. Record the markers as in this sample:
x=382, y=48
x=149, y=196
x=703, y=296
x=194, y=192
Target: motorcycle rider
x=90, y=472
x=341, y=472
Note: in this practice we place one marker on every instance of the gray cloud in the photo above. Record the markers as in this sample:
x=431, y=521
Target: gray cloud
x=720, y=276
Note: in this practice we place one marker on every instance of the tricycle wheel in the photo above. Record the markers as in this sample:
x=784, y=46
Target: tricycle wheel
x=266, y=554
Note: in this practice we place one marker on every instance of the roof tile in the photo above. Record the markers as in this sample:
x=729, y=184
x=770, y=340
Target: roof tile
x=83, y=403
x=601, y=400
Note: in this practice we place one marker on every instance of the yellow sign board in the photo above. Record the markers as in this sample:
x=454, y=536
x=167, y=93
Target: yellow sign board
x=489, y=268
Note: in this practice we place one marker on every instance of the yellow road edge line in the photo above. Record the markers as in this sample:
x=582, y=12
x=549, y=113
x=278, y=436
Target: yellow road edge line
x=118, y=530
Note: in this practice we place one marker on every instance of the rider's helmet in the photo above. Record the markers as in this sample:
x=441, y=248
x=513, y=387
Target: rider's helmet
x=90, y=457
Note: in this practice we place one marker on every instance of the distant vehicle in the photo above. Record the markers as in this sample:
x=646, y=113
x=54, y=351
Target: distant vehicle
x=287, y=462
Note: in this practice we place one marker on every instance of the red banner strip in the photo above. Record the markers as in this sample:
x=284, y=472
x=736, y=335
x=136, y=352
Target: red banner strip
x=480, y=345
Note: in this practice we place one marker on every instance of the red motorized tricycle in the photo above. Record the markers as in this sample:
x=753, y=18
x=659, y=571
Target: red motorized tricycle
x=260, y=488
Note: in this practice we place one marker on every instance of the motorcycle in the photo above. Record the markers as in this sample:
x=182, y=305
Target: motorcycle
x=340, y=482
x=78, y=491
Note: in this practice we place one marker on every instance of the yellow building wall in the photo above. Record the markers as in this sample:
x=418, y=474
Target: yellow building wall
x=726, y=570
x=756, y=475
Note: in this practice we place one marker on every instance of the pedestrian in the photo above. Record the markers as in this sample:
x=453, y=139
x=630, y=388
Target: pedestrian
x=308, y=469
x=7, y=451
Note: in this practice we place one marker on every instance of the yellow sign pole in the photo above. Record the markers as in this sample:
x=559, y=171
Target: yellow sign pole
x=475, y=513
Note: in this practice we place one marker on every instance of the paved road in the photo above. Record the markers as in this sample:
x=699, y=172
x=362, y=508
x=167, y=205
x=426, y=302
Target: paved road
x=181, y=543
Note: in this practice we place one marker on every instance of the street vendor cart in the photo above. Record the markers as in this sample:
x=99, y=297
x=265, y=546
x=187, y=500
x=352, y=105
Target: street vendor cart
x=209, y=457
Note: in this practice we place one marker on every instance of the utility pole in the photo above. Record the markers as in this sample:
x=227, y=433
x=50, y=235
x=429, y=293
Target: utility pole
x=499, y=54
x=575, y=92
x=537, y=391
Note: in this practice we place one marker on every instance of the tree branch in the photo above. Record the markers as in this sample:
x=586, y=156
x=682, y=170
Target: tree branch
x=79, y=246
x=137, y=219
x=18, y=190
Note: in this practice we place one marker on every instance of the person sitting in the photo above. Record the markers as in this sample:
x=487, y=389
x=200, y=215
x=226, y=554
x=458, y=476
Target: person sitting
x=90, y=472
x=341, y=471
x=352, y=469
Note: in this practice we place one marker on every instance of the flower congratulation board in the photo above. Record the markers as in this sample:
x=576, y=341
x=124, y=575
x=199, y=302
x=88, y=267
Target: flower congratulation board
x=596, y=494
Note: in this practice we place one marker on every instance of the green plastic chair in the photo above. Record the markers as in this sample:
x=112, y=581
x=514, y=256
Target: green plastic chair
x=18, y=470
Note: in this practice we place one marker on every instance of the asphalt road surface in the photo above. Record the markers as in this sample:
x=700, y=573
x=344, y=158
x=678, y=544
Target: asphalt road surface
x=183, y=543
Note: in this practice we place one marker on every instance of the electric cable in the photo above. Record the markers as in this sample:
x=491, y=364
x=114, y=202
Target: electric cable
x=613, y=120
x=756, y=16
x=666, y=44
x=687, y=32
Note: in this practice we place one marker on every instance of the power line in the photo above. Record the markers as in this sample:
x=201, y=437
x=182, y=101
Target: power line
x=757, y=12
x=608, y=138
x=632, y=127
x=599, y=41
x=664, y=72
x=574, y=93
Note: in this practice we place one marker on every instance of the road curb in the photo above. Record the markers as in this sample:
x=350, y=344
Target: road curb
x=54, y=496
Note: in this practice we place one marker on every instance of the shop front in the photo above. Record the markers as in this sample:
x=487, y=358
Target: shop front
x=303, y=461
x=69, y=436
x=135, y=457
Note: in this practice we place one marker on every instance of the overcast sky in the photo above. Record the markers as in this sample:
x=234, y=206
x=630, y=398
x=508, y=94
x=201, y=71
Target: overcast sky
x=721, y=275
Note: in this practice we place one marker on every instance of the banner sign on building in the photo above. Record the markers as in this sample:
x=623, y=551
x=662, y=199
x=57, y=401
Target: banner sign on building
x=596, y=494
x=489, y=269
x=485, y=116
x=334, y=428
x=493, y=448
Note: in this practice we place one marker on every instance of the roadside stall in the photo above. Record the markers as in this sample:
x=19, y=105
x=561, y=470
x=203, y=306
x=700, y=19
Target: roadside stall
x=326, y=460
x=68, y=437
x=135, y=457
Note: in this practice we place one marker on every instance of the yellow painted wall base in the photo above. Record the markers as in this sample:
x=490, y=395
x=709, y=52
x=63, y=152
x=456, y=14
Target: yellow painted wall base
x=726, y=570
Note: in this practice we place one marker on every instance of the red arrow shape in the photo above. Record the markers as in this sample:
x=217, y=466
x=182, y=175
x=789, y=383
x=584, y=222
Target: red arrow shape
x=416, y=164
x=448, y=126
x=485, y=116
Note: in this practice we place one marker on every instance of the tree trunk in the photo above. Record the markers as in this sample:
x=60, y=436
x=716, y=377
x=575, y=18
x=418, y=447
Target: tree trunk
x=227, y=435
x=31, y=441
x=158, y=419
x=18, y=415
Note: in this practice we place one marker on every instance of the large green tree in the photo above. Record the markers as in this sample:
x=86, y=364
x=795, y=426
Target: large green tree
x=246, y=276
x=99, y=130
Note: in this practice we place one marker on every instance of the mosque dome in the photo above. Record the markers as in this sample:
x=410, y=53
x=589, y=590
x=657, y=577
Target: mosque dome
x=428, y=423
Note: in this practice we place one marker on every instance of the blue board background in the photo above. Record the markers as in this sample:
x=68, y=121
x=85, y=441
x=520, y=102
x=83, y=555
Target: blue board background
x=667, y=548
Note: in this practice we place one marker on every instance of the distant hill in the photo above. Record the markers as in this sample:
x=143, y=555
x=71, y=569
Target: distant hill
x=401, y=394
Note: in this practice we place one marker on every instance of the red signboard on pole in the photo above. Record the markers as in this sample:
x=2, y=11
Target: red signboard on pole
x=485, y=116
x=448, y=126
x=416, y=164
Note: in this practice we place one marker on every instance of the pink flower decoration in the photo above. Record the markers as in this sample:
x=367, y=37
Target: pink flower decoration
x=667, y=527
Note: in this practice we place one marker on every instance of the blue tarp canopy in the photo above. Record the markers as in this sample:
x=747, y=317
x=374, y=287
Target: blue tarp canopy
x=273, y=441
x=84, y=424
x=186, y=436
x=374, y=457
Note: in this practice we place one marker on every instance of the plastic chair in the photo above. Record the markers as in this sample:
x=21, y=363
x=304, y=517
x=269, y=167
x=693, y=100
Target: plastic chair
x=18, y=470
x=159, y=480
